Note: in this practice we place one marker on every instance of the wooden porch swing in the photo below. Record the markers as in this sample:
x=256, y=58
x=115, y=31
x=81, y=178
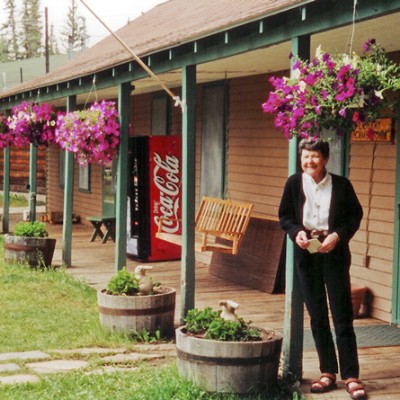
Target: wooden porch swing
x=215, y=218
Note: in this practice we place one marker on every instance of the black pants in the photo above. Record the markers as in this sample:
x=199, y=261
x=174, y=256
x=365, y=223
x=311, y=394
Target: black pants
x=317, y=272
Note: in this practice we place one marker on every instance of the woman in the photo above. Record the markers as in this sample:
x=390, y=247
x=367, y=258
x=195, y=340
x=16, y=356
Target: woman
x=319, y=205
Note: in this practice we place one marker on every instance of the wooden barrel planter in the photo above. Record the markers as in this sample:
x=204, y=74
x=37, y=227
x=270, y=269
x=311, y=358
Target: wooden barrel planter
x=230, y=367
x=36, y=252
x=135, y=313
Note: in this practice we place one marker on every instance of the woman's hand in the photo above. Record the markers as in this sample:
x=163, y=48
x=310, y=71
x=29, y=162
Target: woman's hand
x=329, y=243
x=302, y=240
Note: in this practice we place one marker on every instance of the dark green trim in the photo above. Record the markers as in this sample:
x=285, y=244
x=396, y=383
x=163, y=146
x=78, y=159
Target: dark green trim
x=188, y=190
x=294, y=309
x=6, y=190
x=68, y=197
x=32, y=181
x=124, y=107
x=396, y=241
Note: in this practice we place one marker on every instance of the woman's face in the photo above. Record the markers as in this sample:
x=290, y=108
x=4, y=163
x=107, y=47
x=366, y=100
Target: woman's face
x=313, y=163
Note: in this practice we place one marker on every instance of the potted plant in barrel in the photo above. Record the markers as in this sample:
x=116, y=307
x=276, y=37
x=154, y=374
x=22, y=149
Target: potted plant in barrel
x=29, y=243
x=132, y=303
x=220, y=352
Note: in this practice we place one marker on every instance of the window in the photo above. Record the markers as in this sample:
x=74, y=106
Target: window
x=160, y=114
x=84, y=178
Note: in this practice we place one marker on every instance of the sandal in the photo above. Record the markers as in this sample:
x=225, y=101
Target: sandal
x=324, y=387
x=355, y=388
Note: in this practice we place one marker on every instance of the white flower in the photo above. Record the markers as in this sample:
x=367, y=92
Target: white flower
x=318, y=53
x=302, y=86
x=378, y=93
x=296, y=74
x=346, y=59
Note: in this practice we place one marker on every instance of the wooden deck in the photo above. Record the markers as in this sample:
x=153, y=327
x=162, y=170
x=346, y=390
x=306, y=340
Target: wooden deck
x=93, y=262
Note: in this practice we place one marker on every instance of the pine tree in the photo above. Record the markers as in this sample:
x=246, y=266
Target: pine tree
x=53, y=43
x=31, y=32
x=9, y=33
x=4, y=51
x=74, y=34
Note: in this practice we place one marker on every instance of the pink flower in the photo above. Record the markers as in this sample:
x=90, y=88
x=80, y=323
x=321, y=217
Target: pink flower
x=92, y=134
x=32, y=123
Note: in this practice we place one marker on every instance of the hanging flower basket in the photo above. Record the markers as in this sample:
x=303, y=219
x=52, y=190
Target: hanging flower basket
x=336, y=92
x=4, y=132
x=91, y=134
x=32, y=123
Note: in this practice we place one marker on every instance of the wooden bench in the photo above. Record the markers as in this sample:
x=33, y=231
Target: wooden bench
x=109, y=225
x=215, y=218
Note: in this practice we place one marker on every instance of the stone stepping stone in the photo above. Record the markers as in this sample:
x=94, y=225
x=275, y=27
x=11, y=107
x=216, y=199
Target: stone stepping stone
x=90, y=350
x=24, y=355
x=121, y=358
x=9, y=367
x=14, y=379
x=110, y=370
x=56, y=366
x=166, y=349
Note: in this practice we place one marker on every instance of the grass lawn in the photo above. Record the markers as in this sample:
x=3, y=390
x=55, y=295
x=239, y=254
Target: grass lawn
x=18, y=200
x=48, y=310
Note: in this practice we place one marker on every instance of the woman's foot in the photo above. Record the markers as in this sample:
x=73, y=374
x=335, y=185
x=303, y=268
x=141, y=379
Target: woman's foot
x=326, y=383
x=356, y=389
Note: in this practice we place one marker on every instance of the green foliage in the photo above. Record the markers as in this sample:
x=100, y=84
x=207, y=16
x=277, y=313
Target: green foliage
x=213, y=326
x=40, y=308
x=31, y=229
x=198, y=321
x=145, y=383
x=145, y=336
x=123, y=283
x=232, y=331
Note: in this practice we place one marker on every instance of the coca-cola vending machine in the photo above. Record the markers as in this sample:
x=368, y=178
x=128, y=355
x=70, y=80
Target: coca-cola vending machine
x=154, y=191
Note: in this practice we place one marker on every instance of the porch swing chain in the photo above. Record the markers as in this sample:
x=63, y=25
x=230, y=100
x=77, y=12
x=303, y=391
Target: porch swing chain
x=178, y=101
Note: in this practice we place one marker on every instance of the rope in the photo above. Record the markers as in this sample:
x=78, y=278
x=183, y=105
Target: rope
x=353, y=27
x=178, y=101
x=92, y=89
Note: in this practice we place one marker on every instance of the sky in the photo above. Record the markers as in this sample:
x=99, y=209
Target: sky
x=115, y=13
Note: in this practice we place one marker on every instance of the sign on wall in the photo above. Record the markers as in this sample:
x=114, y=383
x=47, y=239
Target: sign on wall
x=378, y=131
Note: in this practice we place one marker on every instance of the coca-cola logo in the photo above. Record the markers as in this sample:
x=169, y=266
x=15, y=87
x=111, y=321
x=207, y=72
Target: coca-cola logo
x=166, y=179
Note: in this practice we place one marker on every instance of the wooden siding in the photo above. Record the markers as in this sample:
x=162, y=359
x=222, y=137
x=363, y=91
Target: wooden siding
x=257, y=152
x=372, y=171
x=19, y=169
x=85, y=204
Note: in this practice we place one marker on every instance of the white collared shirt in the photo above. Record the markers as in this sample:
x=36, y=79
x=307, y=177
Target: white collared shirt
x=318, y=200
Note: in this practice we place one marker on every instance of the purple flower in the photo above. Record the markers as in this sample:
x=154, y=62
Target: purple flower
x=368, y=45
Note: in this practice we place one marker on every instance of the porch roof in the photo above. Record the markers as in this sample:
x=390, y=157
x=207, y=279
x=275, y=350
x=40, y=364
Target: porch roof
x=160, y=29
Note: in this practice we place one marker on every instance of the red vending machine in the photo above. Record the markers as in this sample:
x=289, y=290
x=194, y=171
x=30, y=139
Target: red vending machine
x=154, y=191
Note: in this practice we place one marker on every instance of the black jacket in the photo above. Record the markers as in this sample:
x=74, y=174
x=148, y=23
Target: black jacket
x=345, y=213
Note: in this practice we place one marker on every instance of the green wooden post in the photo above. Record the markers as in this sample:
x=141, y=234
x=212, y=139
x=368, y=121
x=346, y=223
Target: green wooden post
x=68, y=197
x=396, y=242
x=6, y=190
x=32, y=181
x=294, y=310
x=188, y=189
x=124, y=96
